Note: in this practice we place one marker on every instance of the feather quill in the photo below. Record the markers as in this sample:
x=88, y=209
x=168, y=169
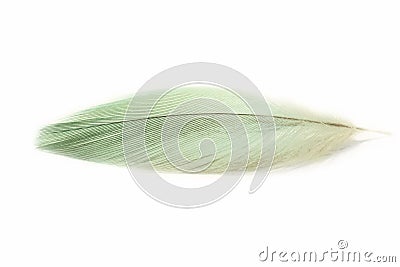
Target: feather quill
x=95, y=134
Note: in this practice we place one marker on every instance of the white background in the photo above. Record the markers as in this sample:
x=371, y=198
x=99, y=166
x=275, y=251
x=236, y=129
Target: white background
x=57, y=57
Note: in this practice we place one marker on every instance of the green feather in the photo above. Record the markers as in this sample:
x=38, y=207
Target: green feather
x=96, y=134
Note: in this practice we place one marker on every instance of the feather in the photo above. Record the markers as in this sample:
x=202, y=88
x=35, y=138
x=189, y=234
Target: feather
x=96, y=134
